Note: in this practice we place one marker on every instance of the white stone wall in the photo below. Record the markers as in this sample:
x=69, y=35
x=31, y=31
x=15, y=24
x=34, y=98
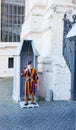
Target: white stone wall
x=44, y=25
x=30, y=4
x=6, y=51
x=0, y=20
x=4, y=71
x=53, y=64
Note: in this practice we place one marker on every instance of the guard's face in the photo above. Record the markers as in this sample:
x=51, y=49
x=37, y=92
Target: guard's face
x=29, y=66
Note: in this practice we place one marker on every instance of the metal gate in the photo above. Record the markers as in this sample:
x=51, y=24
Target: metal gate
x=69, y=52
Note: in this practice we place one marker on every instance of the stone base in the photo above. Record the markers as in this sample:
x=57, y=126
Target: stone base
x=29, y=105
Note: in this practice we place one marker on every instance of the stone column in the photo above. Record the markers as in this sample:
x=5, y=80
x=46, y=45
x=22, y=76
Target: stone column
x=16, y=81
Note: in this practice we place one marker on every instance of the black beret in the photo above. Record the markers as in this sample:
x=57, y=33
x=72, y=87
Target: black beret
x=30, y=62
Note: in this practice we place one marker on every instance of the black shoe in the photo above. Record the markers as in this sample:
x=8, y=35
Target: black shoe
x=33, y=103
x=26, y=104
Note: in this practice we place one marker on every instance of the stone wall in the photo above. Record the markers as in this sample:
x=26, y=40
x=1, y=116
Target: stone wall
x=44, y=25
x=0, y=20
x=6, y=51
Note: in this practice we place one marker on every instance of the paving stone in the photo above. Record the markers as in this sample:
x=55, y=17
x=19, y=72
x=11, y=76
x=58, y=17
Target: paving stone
x=54, y=115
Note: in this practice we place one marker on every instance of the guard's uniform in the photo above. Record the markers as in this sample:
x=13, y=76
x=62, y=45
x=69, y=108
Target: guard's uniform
x=31, y=79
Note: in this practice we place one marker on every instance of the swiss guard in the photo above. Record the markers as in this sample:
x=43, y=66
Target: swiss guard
x=31, y=81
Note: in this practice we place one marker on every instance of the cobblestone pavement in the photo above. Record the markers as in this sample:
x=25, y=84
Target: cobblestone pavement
x=55, y=115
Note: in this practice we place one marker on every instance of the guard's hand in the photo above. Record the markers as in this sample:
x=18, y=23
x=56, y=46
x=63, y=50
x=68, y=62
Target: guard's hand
x=21, y=74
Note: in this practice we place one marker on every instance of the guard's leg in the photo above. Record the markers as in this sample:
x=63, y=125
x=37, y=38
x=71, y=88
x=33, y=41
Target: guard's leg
x=26, y=100
x=26, y=93
x=32, y=98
